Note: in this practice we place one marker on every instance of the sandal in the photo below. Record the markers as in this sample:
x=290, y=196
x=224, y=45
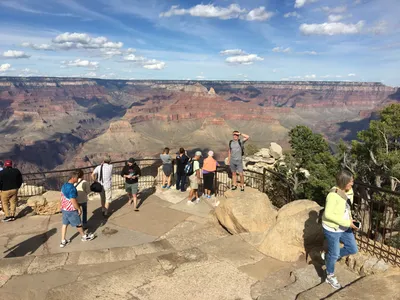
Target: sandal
x=234, y=187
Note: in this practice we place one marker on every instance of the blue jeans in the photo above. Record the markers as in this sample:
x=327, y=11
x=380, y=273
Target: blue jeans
x=84, y=212
x=334, y=250
x=180, y=181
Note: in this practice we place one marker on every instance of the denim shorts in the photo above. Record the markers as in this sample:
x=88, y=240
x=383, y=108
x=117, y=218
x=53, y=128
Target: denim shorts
x=71, y=218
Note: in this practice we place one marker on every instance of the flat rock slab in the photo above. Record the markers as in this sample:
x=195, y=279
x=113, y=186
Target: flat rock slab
x=196, y=238
x=323, y=290
x=274, y=281
x=27, y=244
x=381, y=286
x=171, y=195
x=265, y=267
x=29, y=287
x=233, y=250
x=45, y=263
x=152, y=219
x=15, y=266
x=27, y=225
x=110, y=285
x=107, y=236
x=184, y=260
x=182, y=228
x=212, y=281
x=202, y=209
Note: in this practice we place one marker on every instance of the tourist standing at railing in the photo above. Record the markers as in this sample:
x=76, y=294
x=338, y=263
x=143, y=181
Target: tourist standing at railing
x=209, y=168
x=105, y=169
x=71, y=211
x=181, y=161
x=167, y=168
x=131, y=172
x=195, y=179
x=338, y=225
x=235, y=157
x=10, y=182
x=83, y=188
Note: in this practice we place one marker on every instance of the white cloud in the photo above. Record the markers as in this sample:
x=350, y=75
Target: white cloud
x=335, y=18
x=332, y=28
x=313, y=76
x=76, y=40
x=15, y=54
x=81, y=63
x=5, y=67
x=154, y=65
x=111, y=52
x=281, y=50
x=133, y=57
x=310, y=52
x=292, y=14
x=301, y=3
x=258, y=14
x=379, y=28
x=233, y=11
x=233, y=52
x=200, y=77
x=130, y=50
x=91, y=74
x=351, y=75
x=45, y=47
x=244, y=59
x=334, y=10
x=27, y=70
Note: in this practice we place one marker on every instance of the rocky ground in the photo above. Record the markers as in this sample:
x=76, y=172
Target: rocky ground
x=168, y=250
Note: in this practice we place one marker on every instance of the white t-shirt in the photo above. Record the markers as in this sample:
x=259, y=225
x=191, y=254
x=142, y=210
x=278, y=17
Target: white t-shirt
x=107, y=175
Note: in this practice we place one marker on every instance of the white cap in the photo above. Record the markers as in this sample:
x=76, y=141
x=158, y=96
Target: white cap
x=211, y=153
x=198, y=153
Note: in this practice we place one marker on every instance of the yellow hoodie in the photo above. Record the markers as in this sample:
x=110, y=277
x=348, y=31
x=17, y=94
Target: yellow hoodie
x=335, y=207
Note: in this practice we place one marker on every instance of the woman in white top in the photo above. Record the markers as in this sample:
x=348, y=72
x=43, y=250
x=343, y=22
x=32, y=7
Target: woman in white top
x=83, y=188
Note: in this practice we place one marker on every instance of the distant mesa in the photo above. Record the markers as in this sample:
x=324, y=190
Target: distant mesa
x=120, y=126
x=195, y=88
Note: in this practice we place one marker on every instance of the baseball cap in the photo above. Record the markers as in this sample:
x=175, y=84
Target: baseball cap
x=211, y=153
x=198, y=153
x=131, y=160
x=8, y=163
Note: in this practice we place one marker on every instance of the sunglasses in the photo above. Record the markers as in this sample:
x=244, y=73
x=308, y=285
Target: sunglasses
x=235, y=135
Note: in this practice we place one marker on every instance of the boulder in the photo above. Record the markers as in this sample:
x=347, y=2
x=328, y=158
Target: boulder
x=249, y=211
x=296, y=232
x=275, y=150
x=47, y=204
x=30, y=190
x=264, y=152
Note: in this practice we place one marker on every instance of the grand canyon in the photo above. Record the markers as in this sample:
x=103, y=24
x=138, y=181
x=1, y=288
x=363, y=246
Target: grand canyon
x=54, y=123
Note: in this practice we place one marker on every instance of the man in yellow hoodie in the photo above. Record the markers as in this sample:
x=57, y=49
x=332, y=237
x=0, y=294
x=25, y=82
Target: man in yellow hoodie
x=338, y=224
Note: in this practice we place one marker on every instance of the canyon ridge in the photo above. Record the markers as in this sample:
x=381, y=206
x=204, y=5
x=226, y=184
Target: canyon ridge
x=55, y=123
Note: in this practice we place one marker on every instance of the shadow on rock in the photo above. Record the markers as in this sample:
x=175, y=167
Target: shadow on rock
x=31, y=245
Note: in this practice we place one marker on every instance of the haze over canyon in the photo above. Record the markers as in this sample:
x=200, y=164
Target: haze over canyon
x=53, y=123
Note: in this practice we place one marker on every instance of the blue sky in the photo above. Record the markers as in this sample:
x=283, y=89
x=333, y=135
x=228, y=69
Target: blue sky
x=356, y=40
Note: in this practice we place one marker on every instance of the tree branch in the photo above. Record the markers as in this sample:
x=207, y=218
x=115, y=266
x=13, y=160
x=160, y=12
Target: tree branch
x=386, y=141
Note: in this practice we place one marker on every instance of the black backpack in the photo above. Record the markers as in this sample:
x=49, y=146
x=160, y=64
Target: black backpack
x=96, y=186
x=240, y=144
x=189, y=168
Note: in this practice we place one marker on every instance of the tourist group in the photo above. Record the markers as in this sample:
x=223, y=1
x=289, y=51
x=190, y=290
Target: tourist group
x=337, y=222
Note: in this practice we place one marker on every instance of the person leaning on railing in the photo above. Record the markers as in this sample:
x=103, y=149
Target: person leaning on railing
x=338, y=224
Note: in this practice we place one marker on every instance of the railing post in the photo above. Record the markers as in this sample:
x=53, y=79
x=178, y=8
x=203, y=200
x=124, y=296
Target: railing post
x=264, y=180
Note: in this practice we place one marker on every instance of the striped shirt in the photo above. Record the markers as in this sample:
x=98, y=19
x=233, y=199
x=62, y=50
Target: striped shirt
x=107, y=175
x=68, y=192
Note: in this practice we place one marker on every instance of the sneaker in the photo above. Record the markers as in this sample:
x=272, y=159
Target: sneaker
x=168, y=187
x=234, y=187
x=242, y=189
x=197, y=201
x=190, y=202
x=216, y=203
x=164, y=186
x=7, y=219
x=64, y=243
x=332, y=280
x=209, y=196
x=87, y=237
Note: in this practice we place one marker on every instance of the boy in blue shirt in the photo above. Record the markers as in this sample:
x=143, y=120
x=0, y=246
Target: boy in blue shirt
x=71, y=210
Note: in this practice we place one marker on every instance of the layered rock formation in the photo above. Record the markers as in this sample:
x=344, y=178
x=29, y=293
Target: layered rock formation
x=65, y=114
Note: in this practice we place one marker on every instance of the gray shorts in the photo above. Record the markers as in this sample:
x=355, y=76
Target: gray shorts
x=236, y=166
x=132, y=188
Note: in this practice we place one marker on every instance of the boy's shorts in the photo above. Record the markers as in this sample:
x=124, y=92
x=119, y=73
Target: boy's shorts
x=71, y=218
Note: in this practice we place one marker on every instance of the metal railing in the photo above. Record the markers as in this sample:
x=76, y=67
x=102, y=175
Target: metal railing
x=37, y=183
x=379, y=212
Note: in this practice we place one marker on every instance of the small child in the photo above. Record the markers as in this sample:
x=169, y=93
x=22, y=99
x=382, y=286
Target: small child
x=71, y=210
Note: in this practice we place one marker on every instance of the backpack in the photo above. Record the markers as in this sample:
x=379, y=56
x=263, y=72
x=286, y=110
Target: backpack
x=189, y=168
x=240, y=144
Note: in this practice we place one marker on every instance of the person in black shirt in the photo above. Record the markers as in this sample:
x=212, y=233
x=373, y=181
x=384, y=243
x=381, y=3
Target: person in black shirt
x=131, y=172
x=10, y=182
x=181, y=160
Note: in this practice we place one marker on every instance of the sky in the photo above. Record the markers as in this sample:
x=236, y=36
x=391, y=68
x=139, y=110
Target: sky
x=290, y=40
